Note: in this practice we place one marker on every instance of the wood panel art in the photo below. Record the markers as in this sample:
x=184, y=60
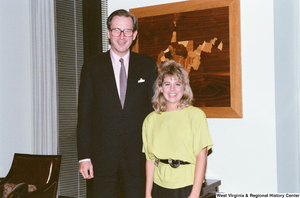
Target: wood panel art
x=204, y=36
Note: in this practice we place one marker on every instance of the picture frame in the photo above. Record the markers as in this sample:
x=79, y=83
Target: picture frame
x=204, y=36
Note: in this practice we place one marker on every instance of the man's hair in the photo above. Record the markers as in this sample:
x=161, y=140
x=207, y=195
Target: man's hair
x=123, y=13
x=172, y=69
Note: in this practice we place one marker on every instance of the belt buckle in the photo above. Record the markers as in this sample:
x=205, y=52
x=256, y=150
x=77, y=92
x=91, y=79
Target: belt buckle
x=156, y=162
x=174, y=165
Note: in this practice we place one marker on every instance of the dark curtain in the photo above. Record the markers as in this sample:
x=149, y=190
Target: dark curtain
x=92, y=27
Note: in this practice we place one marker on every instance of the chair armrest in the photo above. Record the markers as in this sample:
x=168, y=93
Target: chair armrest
x=20, y=191
x=46, y=191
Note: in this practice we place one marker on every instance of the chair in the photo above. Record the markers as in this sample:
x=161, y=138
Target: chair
x=39, y=173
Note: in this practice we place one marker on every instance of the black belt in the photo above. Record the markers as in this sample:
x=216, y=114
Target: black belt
x=171, y=162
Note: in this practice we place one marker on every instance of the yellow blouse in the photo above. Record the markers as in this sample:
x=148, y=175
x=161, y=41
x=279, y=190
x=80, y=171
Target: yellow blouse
x=179, y=135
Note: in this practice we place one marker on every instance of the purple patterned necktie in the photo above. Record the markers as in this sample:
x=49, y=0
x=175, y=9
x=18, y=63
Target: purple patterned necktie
x=123, y=82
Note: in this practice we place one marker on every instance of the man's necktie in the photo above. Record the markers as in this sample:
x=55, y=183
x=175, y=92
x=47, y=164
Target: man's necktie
x=123, y=82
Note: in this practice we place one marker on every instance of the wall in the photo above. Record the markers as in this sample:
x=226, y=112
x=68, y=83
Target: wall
x=287, y=93
x=245, y=150
x=15, y=82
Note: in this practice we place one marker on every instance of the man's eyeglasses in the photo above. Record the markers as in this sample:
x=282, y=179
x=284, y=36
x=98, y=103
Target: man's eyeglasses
x=117, y=32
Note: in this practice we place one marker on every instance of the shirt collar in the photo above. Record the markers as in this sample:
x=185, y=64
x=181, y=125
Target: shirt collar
x=116, y=58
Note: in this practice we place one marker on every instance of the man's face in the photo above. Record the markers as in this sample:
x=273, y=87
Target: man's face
x=121, y=44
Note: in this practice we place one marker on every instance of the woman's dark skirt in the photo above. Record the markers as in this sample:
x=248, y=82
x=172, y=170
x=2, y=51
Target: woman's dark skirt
x=160, y=192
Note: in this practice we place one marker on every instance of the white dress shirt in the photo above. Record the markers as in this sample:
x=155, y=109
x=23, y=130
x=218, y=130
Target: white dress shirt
x=115, y=59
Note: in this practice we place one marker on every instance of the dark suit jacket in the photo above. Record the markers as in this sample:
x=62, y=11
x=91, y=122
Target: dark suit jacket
x=105, y=131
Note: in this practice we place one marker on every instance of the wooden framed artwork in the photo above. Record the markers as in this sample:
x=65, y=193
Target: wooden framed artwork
x=204, y=36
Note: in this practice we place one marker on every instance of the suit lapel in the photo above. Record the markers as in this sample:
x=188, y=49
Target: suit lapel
x=133, y=74
x=109, y=77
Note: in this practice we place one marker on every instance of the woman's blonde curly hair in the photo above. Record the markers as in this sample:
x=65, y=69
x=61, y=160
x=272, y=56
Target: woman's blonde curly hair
x=174, y=69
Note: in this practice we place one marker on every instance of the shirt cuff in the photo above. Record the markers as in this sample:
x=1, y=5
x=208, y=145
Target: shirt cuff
x=85, y=160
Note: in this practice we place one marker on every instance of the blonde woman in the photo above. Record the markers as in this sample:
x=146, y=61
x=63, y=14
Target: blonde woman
x=175, y=138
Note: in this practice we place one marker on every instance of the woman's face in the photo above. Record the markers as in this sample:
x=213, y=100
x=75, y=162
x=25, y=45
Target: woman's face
x=172, y=90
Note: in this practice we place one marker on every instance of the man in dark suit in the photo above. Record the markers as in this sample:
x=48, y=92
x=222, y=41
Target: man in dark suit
x=110, y=114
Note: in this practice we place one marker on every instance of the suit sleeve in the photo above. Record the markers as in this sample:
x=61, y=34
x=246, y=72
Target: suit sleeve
x=85, y=114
